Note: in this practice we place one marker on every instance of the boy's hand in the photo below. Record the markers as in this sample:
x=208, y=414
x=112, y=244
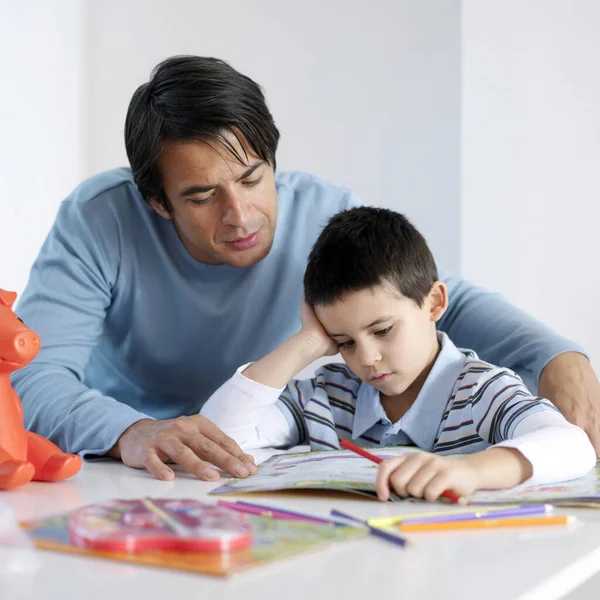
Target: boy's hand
x=311, y=327
x=426, y=475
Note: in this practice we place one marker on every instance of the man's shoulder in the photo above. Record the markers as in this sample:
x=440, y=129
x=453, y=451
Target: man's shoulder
x=108, y=186
x=313, y=191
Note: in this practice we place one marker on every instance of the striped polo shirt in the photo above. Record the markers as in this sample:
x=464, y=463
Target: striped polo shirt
x=465, y=405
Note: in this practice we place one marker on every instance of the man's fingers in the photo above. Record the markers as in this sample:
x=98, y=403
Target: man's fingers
x=213, y=453
x=209, y=430
x=186, y=457
x=243, y=466
x=594, y=435
x=157, y=467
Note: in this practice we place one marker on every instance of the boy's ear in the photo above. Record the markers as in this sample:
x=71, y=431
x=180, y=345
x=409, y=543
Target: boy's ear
x=437, y=300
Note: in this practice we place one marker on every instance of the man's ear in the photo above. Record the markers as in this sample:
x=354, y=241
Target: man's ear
x=160, y=209
x=437, y=300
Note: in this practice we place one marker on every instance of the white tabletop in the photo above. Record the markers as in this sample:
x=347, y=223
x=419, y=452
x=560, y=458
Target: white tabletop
x=526, y=564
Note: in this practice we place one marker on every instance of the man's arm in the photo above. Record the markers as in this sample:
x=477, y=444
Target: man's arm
x=65, y=302
x=506, y=336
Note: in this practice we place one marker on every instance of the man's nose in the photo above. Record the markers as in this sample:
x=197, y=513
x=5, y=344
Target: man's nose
x=236, y=211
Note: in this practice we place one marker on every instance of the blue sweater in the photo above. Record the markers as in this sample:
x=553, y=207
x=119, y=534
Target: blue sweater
x=133, y=327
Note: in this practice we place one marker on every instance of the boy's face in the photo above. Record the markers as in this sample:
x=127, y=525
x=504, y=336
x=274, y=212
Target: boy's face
x=385, y=338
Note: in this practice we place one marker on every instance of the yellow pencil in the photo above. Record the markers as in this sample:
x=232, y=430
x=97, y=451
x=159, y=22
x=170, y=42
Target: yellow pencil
x=488, y=523
x=390, y=521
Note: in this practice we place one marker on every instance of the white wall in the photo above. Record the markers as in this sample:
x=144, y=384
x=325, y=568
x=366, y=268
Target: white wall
x=40, y=121
x=364, y=94
x=531, y=158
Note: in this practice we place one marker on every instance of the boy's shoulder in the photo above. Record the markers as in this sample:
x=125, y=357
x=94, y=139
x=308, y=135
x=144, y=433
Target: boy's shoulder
x=479, y=376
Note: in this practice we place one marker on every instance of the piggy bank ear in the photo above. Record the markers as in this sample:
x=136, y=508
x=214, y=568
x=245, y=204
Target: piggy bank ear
x=7, y=298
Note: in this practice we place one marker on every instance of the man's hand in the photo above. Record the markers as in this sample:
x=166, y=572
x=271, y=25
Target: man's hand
x=186, y=441
x=570, y=383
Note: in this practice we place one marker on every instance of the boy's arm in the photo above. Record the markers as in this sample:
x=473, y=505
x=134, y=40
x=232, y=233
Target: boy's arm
x=533, y=442
x=246, y=406
x=247, y=411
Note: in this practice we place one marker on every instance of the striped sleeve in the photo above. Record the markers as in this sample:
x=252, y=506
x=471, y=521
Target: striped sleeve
x=311, y=406
x=500, y=402
x=291, y=402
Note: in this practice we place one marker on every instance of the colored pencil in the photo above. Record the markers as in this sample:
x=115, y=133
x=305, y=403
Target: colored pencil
x=488, y=523
x=390, y=537
x=521, y=511
x=290, y=514
x=448, y=494
x=395, y=519
x=172, y=523
x=273, y=513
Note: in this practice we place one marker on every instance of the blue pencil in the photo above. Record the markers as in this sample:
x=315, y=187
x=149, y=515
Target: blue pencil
x=390, y=537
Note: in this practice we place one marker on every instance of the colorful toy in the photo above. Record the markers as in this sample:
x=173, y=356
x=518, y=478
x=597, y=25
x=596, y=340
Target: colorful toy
x=23, y=455
x=160, y=524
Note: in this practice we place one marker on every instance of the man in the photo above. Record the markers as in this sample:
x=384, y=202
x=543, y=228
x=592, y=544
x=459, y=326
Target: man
x=154, y=284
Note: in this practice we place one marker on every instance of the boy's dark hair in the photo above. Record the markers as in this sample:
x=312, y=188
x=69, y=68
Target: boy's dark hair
x=194, y=98
x=364, y=247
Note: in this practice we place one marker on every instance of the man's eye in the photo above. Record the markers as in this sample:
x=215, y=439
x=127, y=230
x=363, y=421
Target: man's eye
x=252, y=182
x=200, y=202
x=384, y=332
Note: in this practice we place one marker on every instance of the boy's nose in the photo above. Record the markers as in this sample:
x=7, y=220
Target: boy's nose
x=369, y=356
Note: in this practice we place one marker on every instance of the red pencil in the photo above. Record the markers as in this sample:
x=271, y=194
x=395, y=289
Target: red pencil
x=449, y=495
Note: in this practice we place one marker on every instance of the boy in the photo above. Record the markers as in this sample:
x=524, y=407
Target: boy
x=372, y=293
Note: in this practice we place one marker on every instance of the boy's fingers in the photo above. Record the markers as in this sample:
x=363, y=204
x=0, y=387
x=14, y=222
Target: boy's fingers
x=401, y=477
x=386, y=468
x=421, y=479
x=435, y=487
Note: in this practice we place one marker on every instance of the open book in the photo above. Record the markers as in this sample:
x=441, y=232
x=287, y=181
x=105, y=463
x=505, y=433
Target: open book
x=343, y=470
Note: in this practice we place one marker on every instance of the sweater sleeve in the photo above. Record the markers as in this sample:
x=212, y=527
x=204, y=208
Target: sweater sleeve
x=499, y=332
x=66, y=300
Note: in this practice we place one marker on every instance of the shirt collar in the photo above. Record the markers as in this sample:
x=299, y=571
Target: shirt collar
x=422, y=420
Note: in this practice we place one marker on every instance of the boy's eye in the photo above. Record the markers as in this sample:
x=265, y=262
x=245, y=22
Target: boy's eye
x=347, y=344
x=383, y=332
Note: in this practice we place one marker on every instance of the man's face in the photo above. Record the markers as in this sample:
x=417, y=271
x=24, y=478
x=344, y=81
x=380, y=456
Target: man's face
x=225, y=212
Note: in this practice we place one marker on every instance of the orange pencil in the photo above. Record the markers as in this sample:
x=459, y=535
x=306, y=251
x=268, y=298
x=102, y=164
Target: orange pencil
x=488, y=523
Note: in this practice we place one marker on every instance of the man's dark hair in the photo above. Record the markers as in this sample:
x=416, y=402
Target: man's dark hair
x=365, y=247
x=194, y=98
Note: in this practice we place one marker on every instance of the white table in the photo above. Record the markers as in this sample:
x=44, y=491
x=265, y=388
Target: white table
x=544, y=564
